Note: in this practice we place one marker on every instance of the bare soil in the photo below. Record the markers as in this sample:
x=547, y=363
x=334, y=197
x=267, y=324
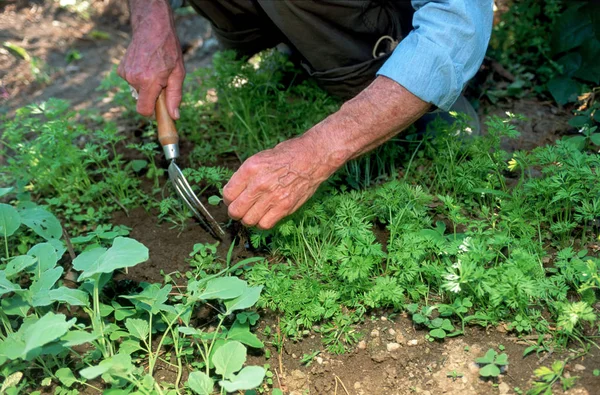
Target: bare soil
x=394, y=357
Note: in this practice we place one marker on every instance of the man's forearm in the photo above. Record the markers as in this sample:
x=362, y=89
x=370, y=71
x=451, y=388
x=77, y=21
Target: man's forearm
x=152, y=13
x=374, y=116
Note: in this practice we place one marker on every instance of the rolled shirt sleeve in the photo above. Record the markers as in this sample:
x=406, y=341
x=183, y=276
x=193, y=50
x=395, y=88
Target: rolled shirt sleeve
x=443, y=51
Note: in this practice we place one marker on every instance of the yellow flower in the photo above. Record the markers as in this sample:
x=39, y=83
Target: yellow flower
x=512, y=164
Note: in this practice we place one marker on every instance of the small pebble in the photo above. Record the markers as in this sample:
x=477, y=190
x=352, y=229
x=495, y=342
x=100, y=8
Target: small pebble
x=579, y=368
x=357, y=385
x=374, y=333
x=319, y=360
x=294, y=356
x=413, y=342
x=383, y=318
x=400, y=338
x=362, y=345
x=392, y=346
x=392, y=332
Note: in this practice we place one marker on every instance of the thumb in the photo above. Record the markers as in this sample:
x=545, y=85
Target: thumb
x=174, y=90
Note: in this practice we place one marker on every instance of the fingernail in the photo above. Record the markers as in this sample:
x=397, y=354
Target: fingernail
x=177, y=113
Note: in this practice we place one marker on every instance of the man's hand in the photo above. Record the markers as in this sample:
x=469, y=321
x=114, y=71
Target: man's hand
x=153, y=60
x=274, y=183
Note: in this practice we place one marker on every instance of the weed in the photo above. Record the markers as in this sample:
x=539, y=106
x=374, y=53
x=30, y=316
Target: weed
x=492, y=364
x=547, y=377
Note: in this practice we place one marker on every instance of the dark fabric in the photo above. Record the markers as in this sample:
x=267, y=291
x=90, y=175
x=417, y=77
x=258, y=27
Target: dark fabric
x=333, y=38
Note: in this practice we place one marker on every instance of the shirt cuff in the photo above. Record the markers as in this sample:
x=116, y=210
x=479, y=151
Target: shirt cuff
x=426, y=70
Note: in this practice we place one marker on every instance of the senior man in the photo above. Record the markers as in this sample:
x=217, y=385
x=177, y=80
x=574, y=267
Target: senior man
x=391, y=60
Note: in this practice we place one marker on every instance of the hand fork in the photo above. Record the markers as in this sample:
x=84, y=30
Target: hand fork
x=168, y=138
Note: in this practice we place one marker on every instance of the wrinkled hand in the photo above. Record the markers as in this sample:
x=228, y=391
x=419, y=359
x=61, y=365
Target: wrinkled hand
x=274, y=183
x=153, y=61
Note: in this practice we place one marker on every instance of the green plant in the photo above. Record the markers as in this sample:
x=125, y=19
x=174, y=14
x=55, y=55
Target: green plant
x=547, y=46
x=492, y=363
x=440, y=328
x=122, y=336
x=547, y=377
x=454, y=375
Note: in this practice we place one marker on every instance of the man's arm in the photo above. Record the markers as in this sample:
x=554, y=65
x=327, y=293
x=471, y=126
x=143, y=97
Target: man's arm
x=153, y=60
x=431, y=65
x=274, y=183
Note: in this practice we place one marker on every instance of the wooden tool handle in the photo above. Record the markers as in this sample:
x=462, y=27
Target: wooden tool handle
x=167, y=132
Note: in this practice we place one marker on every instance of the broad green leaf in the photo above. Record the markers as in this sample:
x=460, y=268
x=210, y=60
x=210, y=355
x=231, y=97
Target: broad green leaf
x=130, y=346
x=229, y=358
x=65, y=376
x=47, y=329
x=250, y=377
x=18, y=264
x=76, y=338
x=245, y=300
x=595, y=138
x=152, y=298
x=501, y=359
x=138, y=164
x=223, y=288
x=200, y=383
x=39, y=289
x=137, y=327
x=564, y=89
x=10, y=220
x=437, y=333
x=590, y=67
x=46, y=255
x=73, y=297
x=118, y=365
x=437, y=322
x=15, y=305
x=41, y=222
x=447, y=326
x=214, y=200
x=277, y=391
x=488, y=357
x=490, y=370
x=241, y=332
x=571, y=29
x=125, y=252
x=6, y=286
x=5, y=191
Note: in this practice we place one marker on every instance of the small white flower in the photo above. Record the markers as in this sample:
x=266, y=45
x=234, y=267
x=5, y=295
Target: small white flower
x=457, y=265
x=464, y=246
x=451, y=276
x=454, y=287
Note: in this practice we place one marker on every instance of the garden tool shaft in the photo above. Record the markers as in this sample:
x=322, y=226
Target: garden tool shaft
x=168, y=138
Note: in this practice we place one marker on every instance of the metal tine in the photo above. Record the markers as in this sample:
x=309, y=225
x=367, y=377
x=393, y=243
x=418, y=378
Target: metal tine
x=189, y=197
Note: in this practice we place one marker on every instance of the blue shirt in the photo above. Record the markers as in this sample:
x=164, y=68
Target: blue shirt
x=443, y=51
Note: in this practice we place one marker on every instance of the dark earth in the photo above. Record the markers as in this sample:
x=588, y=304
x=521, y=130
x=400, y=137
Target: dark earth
x=393, y=357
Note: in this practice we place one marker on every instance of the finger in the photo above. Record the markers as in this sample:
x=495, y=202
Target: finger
x=256, y=212
x=270, y=219
x=147, y=98
x=236, y=185
x=174, y=91
x=242, y=204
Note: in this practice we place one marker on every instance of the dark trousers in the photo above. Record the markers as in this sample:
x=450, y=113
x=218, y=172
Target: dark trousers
x=335, y=39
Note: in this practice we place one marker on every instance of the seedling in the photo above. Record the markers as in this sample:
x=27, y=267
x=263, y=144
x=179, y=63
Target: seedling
x=547, y=377
x=454, y=375
x=492, y=364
